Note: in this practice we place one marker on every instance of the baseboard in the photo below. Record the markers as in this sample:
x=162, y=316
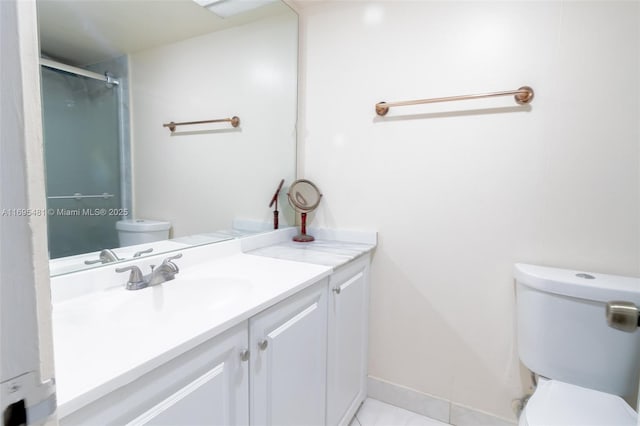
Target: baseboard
x=430, y=406
x=467, y=416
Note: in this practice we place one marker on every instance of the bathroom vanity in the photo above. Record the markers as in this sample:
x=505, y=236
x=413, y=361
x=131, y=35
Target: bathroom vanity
x=258, y=330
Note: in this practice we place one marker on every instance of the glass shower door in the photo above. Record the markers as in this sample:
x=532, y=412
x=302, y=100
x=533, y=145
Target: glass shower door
x=82, y=161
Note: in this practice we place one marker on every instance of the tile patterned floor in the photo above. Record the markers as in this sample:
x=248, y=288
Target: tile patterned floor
x=376, y=413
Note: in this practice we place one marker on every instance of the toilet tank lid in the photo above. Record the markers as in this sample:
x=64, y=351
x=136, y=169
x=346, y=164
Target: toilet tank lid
x=557, y=403
x=142, y=225
x=578, y=284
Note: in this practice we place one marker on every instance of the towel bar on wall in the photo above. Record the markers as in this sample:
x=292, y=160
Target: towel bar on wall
x=522, y=95
x=79, y=196
x=235, y=122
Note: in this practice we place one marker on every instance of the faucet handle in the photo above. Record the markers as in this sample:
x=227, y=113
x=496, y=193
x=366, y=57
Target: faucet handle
x=108, y=255
x=170, y=258
x=136, y=279
x=169, y=261
x=141, y=252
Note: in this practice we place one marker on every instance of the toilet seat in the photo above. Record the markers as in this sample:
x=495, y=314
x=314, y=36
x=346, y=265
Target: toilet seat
x=556, y=403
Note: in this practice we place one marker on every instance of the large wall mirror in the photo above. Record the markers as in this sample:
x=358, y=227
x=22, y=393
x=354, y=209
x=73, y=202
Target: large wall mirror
x=113, y=73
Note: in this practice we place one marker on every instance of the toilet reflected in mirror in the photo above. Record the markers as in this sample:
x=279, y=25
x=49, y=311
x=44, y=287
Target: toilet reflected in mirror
x=138, y=231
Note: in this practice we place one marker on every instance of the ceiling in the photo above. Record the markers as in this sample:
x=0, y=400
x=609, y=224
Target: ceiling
x=84, y=32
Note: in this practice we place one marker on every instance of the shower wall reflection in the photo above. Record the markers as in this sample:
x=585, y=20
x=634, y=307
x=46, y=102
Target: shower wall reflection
x=84, y=154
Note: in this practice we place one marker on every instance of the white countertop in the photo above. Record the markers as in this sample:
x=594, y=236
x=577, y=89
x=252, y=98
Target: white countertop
x=107, y=339
x=106, y=336
x=318, y=252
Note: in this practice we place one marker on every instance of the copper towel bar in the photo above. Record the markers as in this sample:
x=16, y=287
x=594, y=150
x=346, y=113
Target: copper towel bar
x=235, y=121
x=522, y=95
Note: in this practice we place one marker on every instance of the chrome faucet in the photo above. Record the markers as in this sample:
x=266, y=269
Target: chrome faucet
x=165, y=272
x=106, y=256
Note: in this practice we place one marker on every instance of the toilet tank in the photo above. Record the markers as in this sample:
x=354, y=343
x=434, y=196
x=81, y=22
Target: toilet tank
x=563, y=333
x=139, y=231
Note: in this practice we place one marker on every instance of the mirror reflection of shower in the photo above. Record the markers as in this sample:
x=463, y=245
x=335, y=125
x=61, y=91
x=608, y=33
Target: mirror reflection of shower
x=86, y=148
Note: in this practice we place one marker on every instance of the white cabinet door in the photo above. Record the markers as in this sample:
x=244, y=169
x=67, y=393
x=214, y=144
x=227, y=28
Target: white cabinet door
x=288, y=344
x=208, y=385
x=347, y=344
x=205, y=401
x=218, y=395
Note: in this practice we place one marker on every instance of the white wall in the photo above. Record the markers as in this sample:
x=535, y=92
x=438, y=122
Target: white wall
x=25, y=320
x=461, y=191
x=201, y=180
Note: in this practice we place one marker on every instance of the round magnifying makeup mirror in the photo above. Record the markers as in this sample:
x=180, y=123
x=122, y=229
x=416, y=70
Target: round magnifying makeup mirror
x=304, y=196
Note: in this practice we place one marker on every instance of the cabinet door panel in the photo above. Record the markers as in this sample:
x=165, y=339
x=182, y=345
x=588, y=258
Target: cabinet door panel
x=205, y=401
x=208, y=385
x=347, y=346
x=289, y=372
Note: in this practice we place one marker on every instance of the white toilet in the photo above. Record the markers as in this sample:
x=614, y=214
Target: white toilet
x=140, y=231
x=585, y=366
